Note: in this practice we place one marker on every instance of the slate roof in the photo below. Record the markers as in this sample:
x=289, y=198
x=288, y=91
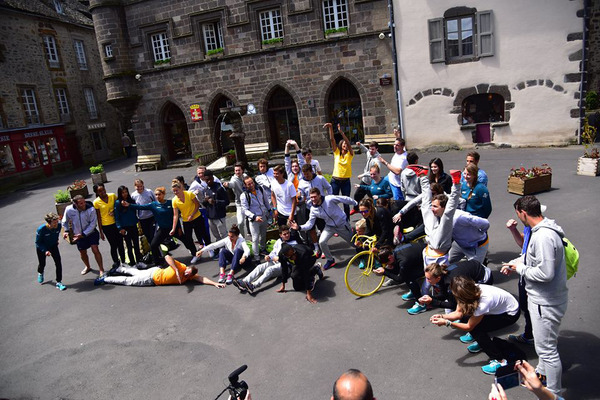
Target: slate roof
x=74, y=11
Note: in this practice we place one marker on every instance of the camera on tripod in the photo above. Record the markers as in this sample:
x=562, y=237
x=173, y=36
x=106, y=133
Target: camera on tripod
x=237, y=389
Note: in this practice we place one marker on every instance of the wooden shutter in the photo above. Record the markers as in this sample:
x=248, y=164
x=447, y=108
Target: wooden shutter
x=485, y=34
x=436, y=40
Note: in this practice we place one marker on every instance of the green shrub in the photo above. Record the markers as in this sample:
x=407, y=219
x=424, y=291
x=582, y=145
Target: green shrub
x=62, y=196
x=330, y=31
x=215, y=51
x=271, y=41
x=591, y=100
x=328, y=177
x=97, y=169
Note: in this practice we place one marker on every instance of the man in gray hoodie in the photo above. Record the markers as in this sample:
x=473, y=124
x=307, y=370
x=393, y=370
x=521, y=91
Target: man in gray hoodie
x=545, y=272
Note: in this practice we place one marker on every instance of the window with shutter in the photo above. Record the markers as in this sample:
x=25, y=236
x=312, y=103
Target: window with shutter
x=485, y=39
x=436, y=40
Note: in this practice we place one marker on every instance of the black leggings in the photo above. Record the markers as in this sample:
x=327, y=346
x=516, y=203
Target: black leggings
x=159, y=238
x=199, y=227
x=132, y=240
x=115, y=240
x=148, y=227
x=55, y=256
x=409, y=275
x=523, y=306
x=490, y=323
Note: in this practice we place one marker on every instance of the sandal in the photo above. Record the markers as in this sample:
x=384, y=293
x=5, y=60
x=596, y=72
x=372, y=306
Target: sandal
x=85, y=270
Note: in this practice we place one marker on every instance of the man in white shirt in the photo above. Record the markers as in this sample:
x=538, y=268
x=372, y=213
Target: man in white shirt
x=396, y=166
x=283, y=197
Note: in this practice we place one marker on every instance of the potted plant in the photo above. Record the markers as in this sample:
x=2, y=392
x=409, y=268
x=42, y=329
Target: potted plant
x=78, y=187
x=62, y=200
x=588, y=163
x=230, y=157
x=528, y=181
x=98, y=174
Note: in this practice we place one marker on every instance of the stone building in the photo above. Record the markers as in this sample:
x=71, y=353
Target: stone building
x=53, y=110
x=482, y=71
x=170, y=65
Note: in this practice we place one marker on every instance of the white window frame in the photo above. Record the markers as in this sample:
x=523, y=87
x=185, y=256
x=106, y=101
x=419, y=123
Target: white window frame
x=80, y=53
x=51, y=51
x=63, y=104
x=160, y=46
x=90, y=102
x=335, y=14
x=271, y=24
x=213, y=36
x=108, y=53
x=58, y=7
x=32, y=113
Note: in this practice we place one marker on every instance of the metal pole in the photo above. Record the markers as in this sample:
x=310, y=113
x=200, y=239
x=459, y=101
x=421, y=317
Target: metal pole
x=392, y=27
x=582, y=84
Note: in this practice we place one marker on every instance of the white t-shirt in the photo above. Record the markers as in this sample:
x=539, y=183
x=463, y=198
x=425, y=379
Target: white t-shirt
x=315, y=165
x=495, y=301
x=284, y=194
x=399, y=161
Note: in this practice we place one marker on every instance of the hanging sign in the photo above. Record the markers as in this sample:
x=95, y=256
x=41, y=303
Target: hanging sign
x=196, y=113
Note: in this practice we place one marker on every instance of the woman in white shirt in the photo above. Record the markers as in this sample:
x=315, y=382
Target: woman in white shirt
x=488, y=308
x=234, y=251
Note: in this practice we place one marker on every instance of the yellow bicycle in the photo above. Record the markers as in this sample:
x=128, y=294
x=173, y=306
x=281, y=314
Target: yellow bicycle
x=359, y=277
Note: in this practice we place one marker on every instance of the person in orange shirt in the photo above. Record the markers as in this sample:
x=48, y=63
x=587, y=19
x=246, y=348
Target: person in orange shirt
x=175, y=274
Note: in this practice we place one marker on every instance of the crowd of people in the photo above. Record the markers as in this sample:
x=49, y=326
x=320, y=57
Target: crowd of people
x=445, y=269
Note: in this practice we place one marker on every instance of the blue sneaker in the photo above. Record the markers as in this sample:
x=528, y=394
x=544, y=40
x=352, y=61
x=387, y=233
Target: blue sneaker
x=99, y=280
x=520, y=339
x=417, y=309
x=329, y=264
x=60, y=286
x=466, y=338
x=408, y=296
x=493, y=366
x=361, y=264
x=474, y=348
x=40, y=278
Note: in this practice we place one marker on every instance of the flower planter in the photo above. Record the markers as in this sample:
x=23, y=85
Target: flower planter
x=530, y=185
x=588, y=166
x=99, y=178
x=230, y=159
x=83, y=192
x=60, y=208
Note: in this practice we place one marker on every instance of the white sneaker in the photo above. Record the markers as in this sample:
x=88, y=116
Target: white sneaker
x=211, y=254
x=390, y=282
x=194, y=260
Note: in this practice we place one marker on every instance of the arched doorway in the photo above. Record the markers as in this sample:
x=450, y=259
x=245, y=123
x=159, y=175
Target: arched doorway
x=283, y=120
x=344, y=107
x=177, y=137
x=223, y=143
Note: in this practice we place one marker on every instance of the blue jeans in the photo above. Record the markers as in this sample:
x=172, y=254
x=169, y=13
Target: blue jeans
x=397, y=192
x=344, y=186
x=226, y=257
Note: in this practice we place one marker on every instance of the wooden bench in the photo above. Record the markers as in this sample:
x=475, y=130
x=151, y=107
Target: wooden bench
x=154, y=161
x=254, y=151
x=380, y=138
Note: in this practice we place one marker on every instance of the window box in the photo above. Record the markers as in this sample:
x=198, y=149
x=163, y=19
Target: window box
x=216, y=53
x=162, y=63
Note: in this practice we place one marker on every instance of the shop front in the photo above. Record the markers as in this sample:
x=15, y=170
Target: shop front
x=39, y=149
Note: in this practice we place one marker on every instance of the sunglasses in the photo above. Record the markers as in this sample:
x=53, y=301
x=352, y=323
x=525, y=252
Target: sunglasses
x=364, y=211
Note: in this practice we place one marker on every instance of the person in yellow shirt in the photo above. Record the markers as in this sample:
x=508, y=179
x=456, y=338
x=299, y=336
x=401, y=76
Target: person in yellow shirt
x=175, y=274
x=342, y=165
x=186, y=204
x=105, y=210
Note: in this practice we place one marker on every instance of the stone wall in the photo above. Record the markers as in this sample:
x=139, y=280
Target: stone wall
x=23, y=63
x=306, y=64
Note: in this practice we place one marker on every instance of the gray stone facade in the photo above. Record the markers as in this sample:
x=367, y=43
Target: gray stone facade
x=24, y=63
x=306, y=64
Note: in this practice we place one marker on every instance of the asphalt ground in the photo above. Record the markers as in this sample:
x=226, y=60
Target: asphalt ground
x=177, y=342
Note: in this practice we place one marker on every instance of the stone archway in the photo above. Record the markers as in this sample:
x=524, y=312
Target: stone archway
x=282, y=116
x=222, y=141
x=177, y=138
x=344, y=106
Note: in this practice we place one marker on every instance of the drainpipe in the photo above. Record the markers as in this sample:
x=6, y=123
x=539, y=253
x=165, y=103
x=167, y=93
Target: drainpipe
x=392, y=27
x=582, y=88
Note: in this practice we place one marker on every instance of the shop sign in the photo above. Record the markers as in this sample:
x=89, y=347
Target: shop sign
x=99, y=125
x=39, y=133
x=385, y=81
x=196, y=113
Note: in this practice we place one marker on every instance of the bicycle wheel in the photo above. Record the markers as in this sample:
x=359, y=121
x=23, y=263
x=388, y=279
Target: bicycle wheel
x=359, y=277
